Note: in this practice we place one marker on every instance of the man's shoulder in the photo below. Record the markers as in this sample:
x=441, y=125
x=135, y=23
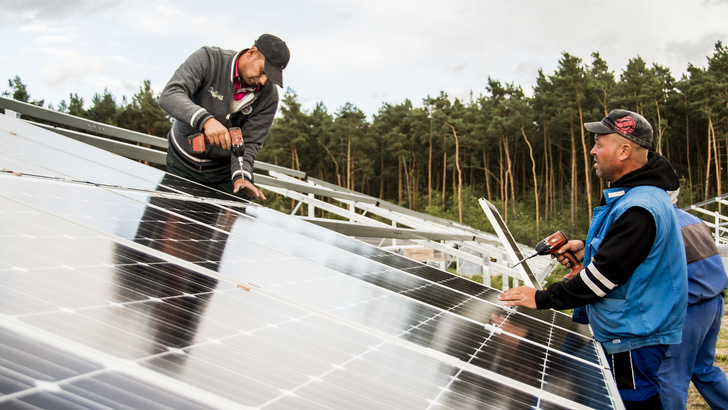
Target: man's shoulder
x=652, y=201
x=686, y=218
x=217, y=50
x=213, y=53
x=646, y=196
x=649, y=195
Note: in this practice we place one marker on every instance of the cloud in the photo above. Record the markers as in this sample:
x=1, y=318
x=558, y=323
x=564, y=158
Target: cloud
x=348, y=50
x=70, y=66
x=21, y=12
x=695, y=51
x=342, y=15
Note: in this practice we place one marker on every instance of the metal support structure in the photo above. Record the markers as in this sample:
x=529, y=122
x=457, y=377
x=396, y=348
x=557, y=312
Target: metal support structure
x=364, y=213
x=462, y=243
x=716, y=220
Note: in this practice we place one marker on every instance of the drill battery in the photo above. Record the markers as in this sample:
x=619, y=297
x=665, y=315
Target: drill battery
x=200, y=142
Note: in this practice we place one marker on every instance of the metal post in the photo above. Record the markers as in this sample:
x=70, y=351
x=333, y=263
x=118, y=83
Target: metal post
x=717, y=229
x=311, y=208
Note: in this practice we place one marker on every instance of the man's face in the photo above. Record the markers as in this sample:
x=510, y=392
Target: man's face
x=252, y=70
x=605, y=153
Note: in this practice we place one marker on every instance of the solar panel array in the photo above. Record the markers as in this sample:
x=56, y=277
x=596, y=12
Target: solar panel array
x=125, y=287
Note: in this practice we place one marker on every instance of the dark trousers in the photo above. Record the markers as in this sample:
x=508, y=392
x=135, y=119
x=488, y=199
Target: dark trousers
x=219, y=180
x=636, y=374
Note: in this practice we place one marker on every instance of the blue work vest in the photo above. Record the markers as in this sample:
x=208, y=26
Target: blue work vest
x=649, y=309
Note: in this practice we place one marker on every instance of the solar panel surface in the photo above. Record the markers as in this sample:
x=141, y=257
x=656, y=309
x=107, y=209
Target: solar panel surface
x=123, y=286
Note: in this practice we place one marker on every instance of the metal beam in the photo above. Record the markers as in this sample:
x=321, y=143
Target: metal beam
x=121, y=148
x=57, y=117
x=357, y=229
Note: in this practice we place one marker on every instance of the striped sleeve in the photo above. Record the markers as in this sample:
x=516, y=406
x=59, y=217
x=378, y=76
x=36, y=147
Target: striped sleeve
x=623, y=249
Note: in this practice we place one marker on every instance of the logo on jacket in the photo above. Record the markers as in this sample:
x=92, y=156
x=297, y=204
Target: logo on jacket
x=625, y=125
x=215, y=94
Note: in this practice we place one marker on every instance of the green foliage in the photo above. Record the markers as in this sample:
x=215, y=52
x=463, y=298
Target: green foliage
x=19, y=91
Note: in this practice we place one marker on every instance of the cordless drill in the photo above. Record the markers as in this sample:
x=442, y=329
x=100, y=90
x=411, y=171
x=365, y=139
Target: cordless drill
x=549, y=246
x=199, y=143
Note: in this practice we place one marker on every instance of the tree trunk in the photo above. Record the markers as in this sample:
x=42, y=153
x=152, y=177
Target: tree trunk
x=487, y=176
x=381, y=174
x=444, y=178
x=502, y=179
x=336, y=165
x=460, y=173
x=535, y=180
x=348, y=162
x=509, y=172
x=587, y=168
x=429, y=169
x=687, y=152
x=707, y=168
x=658, y=143
x=296, y=159
x=407, y=182
x=399, y=179
x=547, y=175
x=573, y=179
x=711, y=130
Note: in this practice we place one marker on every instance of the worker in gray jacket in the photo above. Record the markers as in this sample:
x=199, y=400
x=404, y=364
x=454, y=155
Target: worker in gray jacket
x=215, y=90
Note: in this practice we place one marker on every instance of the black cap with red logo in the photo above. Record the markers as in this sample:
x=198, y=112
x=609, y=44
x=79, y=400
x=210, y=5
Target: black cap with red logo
x=628, y=124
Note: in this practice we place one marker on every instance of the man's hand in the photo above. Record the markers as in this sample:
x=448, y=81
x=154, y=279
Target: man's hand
x=217, y=134
x=246, y=187
x=520, y=296
x=575, y=246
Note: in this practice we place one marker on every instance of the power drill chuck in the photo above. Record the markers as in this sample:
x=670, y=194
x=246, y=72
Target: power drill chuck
x=236, y=138
x=550, y=245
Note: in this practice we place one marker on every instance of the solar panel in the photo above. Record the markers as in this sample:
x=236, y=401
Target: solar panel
x=123, y=286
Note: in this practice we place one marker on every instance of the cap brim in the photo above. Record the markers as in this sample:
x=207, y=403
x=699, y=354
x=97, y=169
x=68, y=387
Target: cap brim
x=597, y=128
x=273, y=73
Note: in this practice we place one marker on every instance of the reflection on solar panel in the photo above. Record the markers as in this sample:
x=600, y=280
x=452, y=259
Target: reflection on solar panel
x=122, y=286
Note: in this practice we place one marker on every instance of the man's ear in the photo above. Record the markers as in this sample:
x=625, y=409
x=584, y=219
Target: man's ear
x=251, y=53
x=624, y=151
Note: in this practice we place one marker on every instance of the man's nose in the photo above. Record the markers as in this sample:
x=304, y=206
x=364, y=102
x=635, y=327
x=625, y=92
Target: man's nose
x=263, y=79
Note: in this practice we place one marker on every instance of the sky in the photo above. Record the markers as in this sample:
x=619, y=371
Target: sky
x=363, y=52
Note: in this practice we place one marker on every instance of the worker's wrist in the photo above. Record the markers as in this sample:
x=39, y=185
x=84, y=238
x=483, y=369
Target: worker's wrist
x=204, y=119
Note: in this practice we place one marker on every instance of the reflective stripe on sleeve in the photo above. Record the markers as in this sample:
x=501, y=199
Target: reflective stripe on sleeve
x=601, y=278
x=592, y=286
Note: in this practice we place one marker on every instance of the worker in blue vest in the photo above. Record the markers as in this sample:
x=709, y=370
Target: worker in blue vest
x=633, y=287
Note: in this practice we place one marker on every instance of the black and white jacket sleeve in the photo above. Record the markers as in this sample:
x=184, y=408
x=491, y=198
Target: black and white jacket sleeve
x=625, y=246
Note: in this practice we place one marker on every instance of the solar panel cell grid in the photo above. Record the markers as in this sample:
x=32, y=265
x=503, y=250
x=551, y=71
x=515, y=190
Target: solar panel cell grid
x=138, y=295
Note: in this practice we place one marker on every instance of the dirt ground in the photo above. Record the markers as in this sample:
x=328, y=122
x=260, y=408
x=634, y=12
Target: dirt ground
x=695, y=400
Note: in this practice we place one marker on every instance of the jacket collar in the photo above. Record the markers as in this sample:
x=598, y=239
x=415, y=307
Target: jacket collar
x=612, y=195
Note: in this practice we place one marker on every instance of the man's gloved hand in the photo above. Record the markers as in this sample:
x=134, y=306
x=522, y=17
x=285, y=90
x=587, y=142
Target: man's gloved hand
x=217, y=134
x=247, y=188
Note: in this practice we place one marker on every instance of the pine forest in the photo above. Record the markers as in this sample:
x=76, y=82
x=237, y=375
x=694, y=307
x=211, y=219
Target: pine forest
x=527, y=152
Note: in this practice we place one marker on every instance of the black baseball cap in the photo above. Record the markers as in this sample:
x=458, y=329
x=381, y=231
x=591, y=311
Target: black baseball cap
x=276, y=56
x=628, y=124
